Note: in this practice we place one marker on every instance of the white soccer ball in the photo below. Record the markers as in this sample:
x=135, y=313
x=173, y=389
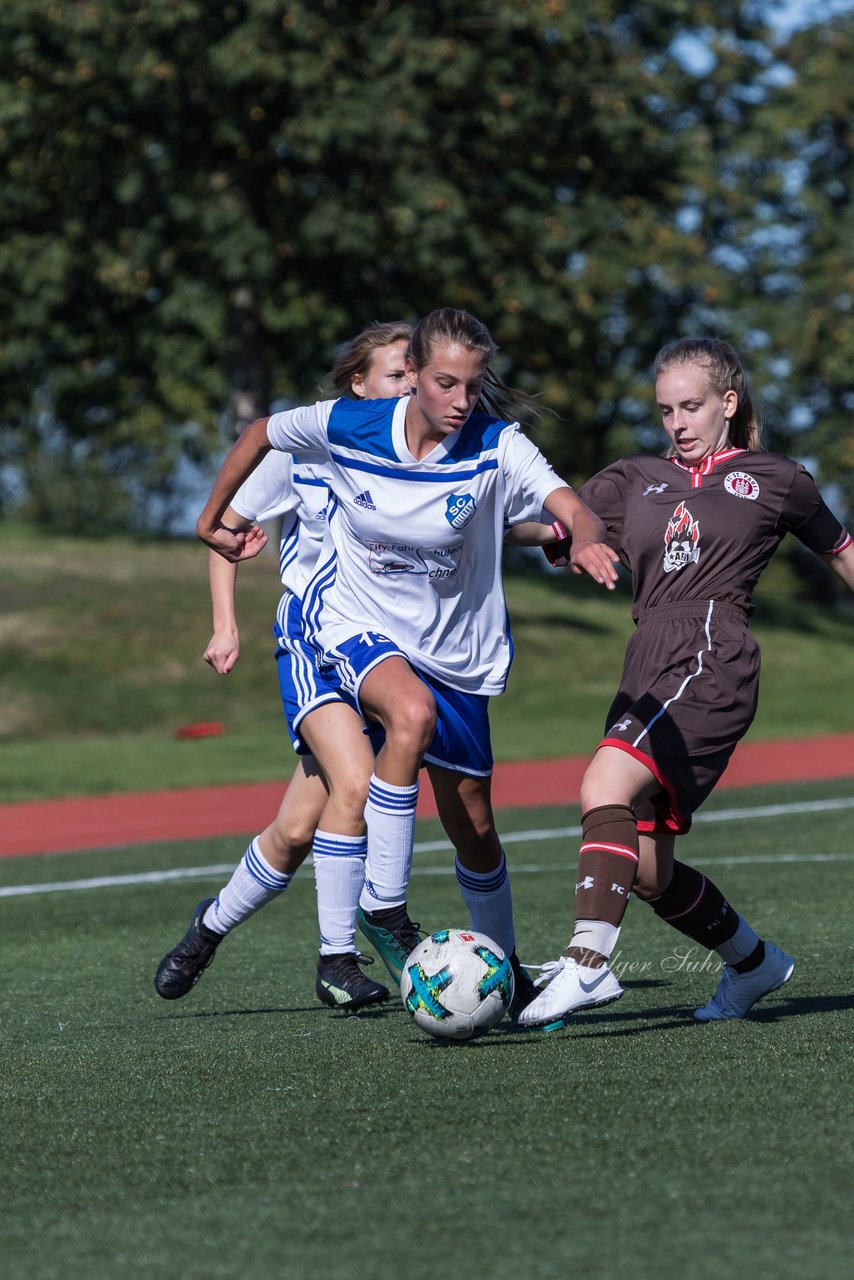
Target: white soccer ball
x=457, y=984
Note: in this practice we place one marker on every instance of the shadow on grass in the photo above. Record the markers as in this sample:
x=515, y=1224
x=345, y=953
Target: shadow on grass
x=682, y=1016
x=596, y=1023
x=798, y=1006
x=673, y=1017
x=338, y=1015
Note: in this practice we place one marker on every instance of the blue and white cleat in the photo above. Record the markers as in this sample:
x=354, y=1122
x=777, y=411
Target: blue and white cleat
x=737, y=993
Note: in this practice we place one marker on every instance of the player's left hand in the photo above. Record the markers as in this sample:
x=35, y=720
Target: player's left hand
x=557, y=551
x=595, y=559
x=223, y=651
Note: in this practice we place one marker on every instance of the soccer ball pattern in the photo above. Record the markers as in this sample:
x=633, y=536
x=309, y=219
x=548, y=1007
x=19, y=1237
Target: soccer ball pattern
x=457, y=984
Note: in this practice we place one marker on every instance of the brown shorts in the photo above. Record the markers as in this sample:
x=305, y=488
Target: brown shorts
x=687, y=696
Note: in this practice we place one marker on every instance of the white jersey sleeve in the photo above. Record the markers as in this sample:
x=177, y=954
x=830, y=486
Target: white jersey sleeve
x=283, y=485
x=302, y=430
x=529, y=479
x=269, y=491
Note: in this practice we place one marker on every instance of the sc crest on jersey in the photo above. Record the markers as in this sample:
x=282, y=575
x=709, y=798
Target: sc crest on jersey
x=460, y=509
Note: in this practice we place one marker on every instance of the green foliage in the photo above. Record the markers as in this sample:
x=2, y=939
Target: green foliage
x=204, y=200
x=811, y=283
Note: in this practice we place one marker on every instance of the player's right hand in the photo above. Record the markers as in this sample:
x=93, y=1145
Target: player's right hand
x=598, y=560
x=232, y=544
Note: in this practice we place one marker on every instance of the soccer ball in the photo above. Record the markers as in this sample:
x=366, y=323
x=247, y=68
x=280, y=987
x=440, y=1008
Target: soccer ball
x=457, y=984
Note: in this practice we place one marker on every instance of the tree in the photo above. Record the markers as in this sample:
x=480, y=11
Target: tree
x=204, y=199
x=809, y=284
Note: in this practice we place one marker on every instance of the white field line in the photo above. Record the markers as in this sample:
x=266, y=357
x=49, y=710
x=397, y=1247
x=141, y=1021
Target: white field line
x=510, y=837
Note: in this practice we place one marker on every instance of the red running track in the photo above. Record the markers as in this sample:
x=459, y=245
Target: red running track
x=194, y=813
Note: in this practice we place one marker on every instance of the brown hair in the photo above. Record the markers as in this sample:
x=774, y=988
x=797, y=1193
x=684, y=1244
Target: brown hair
x=464, y=330
x=354, y=357
x=725, y=372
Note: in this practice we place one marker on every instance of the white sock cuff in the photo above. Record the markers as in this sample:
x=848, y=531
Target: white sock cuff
x=391, y=799
x=259, y=869
x=595, y=935
x=328, y=844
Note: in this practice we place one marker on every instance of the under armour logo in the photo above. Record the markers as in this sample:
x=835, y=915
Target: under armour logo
x=620, y=727
x=655, y=488
x=587, y=883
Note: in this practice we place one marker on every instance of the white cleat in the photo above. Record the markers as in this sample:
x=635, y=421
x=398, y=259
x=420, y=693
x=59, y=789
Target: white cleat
x=738, y=992
x=568, y=986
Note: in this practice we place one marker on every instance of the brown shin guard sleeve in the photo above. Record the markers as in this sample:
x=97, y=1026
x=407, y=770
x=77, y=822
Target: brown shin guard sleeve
x=607, y=863
x=696, y=907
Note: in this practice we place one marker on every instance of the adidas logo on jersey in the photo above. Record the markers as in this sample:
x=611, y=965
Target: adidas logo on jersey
x=365, y=500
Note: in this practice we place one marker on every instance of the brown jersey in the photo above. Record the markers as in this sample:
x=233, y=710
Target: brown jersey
x=706, y=533
x=696, y=540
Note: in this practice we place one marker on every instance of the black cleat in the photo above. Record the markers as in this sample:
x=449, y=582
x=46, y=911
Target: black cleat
x=524, y=989
x=180, y=970
x=341, y=983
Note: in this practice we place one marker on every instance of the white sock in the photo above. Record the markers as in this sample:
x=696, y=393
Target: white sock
x=339, y=873
x=489, y=901
x=742, y=943
x=253, y=884
x=595, y=935
x=390, y=815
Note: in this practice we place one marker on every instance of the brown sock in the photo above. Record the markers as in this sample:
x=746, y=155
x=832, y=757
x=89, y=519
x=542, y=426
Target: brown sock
x=607, y=866
x=696, y=907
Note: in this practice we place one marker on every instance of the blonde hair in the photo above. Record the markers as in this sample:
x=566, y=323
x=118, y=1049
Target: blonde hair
x=354, y=357
x=725, y=372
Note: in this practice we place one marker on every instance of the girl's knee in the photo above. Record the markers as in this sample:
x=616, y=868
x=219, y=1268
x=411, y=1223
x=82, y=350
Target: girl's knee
x=598, y=787
x=413, y=721
x=349, y=795
x=286, y=850
x=649, y=885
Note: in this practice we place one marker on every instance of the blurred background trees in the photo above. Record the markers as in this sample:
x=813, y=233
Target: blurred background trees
x=201, y=201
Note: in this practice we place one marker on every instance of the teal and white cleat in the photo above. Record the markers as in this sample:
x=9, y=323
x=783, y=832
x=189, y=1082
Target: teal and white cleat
x=392, y=935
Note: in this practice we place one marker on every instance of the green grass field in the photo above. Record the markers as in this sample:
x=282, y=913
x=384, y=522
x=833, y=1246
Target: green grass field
x=248, y=1131
x=100, y=663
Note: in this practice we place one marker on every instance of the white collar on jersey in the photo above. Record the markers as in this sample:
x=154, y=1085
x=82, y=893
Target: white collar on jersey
x=401, y=448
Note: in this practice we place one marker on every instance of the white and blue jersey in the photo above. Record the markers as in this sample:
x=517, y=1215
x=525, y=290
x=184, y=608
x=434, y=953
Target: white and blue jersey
x=413, y=548
x=283, y=486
